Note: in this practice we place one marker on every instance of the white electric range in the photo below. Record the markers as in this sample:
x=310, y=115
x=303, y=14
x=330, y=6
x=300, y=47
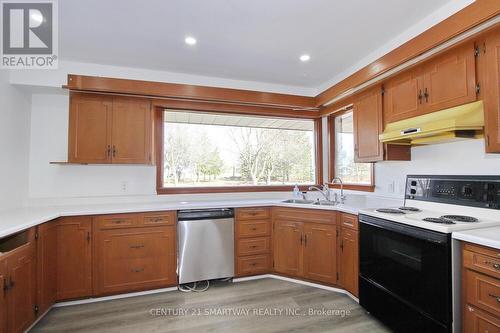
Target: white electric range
x=409, y=274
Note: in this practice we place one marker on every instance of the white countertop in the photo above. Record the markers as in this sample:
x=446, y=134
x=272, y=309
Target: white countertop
x=12, y=221
x=488, y=237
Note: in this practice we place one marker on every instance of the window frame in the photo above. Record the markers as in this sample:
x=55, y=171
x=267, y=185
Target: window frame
x=159, y=108
x=331, y=154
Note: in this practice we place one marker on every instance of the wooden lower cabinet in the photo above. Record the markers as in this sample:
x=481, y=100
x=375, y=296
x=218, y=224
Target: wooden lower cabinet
x=320, y=252
x=349, y=260
x=133, y=259
x=288, y=249
x=306, y=249
x=46, y=266
x=19, y=284
x=481, y=288
x=74, y=257
x=252, y=238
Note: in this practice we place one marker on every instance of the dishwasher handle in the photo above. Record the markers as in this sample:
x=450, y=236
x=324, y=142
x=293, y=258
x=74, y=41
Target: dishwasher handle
x=204, y=214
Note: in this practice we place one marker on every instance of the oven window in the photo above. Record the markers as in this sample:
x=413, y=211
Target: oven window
x=401, y=253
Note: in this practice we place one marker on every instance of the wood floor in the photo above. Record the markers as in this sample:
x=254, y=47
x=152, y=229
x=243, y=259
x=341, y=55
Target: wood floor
x=251, y=306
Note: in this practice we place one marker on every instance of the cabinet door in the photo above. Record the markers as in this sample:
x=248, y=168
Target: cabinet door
x=89, y=128
x=21, y=295
x=132, y=131
x=46, y=266
x=349, y=260
x=367, y=127
x=74, y=257
x=3, y=298
x=288, y=248
x=403, y=96
x=491, y=91
x=450, y=79
x=477, y=321
x=320, y=252
x=134, y=259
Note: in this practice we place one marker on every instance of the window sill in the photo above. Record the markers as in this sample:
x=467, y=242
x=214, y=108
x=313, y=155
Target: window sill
x=354, y=187
x=230, y=189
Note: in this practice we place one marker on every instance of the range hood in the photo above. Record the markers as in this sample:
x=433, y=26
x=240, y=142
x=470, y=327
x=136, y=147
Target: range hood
x=458, y=123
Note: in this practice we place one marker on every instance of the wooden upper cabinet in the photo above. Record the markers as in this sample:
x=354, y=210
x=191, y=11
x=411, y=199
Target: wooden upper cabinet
x=46, y=266
x=403, y=96
x=445, y=81
x=367, y=112
x=449, y=79
x=320, y=252
x=90, y=120
x=490, y=53
x=131, y=131
x=74, y=257
x=104, y=129
x=288, y=250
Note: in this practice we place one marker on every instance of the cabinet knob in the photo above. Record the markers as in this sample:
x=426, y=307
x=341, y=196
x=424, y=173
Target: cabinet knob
x=137, y=270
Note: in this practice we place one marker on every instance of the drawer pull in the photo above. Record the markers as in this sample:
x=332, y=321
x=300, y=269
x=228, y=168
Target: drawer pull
x=495, y=296
x=253, y=229
x=136, y=246
x=118, y=221
x=253, y=264
x=253, y=213
x=253, y=246
x=156, y=220
x=137, y=270
x=493, y=264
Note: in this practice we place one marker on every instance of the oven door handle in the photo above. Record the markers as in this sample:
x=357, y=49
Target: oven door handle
x=408, y=230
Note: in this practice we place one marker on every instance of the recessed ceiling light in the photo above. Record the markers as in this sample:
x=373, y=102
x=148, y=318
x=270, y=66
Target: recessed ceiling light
x=190, y=40
x=305, y=57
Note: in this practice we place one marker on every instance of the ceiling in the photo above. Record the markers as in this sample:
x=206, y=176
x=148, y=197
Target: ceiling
x=257, y=40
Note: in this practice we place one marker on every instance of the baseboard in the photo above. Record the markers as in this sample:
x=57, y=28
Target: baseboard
x=109, y=298
x=305, y=283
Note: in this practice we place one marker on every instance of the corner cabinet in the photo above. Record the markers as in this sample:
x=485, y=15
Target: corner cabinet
x=368, y=124
x=109, y=130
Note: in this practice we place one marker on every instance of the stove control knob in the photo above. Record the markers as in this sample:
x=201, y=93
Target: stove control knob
x=413, y=183
x=413, y=191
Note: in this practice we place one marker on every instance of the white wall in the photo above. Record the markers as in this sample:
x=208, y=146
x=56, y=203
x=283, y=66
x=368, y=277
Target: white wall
x=14, y=143
x=457, y=158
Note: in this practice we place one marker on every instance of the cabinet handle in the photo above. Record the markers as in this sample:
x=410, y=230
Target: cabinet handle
x=88, y=236
x=137, y=270
x=253, y=246
x=136, y=246
x=419, y=96
x=253, y=264
x=305, y=240
x=495, y=296
x=342, y=245
x=114, y=151
x=118, y=221
x=300, y=239
x=156, y=220
x=108, y=151
x=496, y=266
x=11, y=283
x=5, y=286
x=426, y=95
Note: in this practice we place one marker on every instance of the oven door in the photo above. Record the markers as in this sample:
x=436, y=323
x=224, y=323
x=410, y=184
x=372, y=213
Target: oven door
x=411, y=264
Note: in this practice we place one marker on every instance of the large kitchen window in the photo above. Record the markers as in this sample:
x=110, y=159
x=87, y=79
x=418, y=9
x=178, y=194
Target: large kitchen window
x=358, y=174
x=236, y=152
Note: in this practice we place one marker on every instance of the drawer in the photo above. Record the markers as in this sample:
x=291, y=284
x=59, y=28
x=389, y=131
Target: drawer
x=349, y=221
x=158, y=218
x=252, y=213
x=477, y=321
x=133, y=243
x=249, y=246
x=305, y=215
x=483, y=292
x=133, y=271
x=253, y=264
x=482, y=260
x=117, y=221
x=253, y=228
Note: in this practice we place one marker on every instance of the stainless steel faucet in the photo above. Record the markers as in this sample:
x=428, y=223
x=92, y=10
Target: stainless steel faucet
x=339, y=180
x=325, y=191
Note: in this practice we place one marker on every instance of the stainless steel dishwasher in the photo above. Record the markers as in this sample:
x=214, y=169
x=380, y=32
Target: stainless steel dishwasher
x=206, y=244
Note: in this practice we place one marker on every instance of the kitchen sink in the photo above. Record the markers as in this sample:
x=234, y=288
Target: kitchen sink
x=325, y=203
x=299, y=201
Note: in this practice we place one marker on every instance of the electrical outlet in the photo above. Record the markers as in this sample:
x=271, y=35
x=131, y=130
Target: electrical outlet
x=124, y=186
x=390, y=187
